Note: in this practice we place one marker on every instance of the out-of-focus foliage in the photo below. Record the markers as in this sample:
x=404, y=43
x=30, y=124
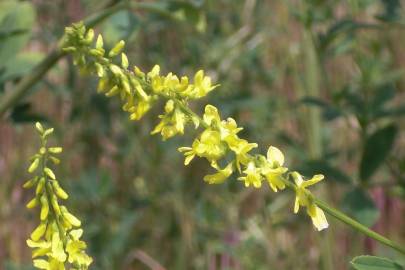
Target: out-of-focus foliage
x=322, y=80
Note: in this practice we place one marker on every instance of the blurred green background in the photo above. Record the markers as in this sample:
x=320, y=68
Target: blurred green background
x=322, y=80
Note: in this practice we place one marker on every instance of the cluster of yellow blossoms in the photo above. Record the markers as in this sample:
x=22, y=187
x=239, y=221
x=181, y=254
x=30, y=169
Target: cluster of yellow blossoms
x=56, y=241
x=218, y=142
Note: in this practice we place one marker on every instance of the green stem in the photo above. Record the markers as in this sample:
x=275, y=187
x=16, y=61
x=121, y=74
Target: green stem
x=358, y=226
x=10, y=98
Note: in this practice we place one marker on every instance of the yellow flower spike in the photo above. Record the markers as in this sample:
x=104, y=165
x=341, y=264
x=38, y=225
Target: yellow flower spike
x=303, y=198
x=219, y=139
x=253, y=176
x=49, y=240
x=220, y=176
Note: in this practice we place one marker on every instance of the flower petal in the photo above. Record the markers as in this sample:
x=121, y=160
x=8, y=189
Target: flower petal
x=275, y=156
x=315, y=179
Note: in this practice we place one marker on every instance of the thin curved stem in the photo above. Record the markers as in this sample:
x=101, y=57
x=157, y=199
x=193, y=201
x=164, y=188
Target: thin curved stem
x=358, y=226
x=352, y=223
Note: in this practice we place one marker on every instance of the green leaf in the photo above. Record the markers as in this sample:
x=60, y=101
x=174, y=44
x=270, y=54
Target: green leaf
x=377, y=147
x=398, y=111
x=123, y=25
x=374, y=263
x=358, y=204
x=21, y=65
x=16, y=21
x=22, y=113
x=392, y=11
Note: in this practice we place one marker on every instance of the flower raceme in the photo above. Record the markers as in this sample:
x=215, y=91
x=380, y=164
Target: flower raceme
x=219, y=142
x=56, y=241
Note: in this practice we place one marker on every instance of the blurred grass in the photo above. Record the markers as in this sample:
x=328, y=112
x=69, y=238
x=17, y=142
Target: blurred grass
x=315, y=78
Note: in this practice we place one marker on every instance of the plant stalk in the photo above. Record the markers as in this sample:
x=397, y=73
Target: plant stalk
x=358, y=226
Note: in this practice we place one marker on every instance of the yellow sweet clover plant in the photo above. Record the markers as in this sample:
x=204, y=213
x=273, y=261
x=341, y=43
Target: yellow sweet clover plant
x=218, y=143
x=55, y=243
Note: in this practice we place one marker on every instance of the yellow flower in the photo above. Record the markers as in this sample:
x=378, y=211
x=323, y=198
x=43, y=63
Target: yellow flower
x=172, y=123
x=241, y=148
x=303, y=198
x=253, y=176
x=202, y=85
x=229, y=129
x=273, y=169
x=211, y=115
x=139, y=109
x=220, y=176
x=209, y=146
